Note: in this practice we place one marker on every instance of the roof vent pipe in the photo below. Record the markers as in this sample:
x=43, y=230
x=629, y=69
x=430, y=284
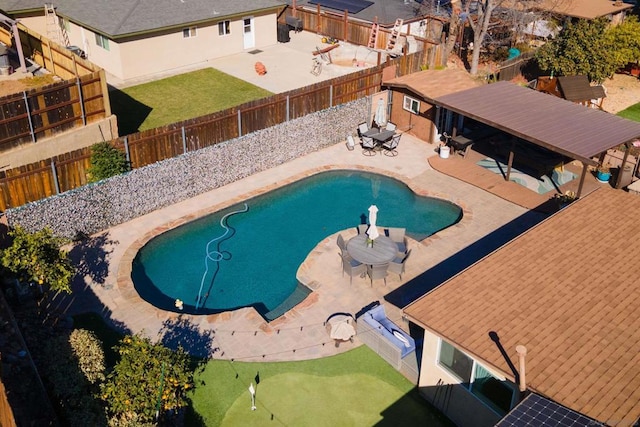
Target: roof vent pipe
x=522, y=352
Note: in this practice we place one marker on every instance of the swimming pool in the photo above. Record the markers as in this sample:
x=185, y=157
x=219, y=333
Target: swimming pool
x=248, y=255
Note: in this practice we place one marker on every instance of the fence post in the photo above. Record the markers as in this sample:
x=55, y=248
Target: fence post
x=331, y=95
x=84, y=115
x=184, y=141
x=55, y=176
x=28, y=110
x=239, y=123
x=288, y=108
x=126, y=150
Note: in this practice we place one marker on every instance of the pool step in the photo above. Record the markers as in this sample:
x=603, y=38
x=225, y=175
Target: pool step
x=298, y=295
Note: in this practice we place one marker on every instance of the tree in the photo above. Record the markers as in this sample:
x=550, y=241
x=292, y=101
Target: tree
x=37, y=257
x=106, y=161
x=625, y=41
x=581, y=48
x=149, y=380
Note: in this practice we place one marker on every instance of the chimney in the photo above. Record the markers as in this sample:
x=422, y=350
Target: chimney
x=522, y=352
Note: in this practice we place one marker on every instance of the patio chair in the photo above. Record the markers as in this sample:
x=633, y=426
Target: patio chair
x=362, y=228
x=362, y=128
x=397, y=234
x=352, y=267
x=341, y=244
x=391, y=145
x=390, y=126
x=376, y=272
x=397, y=265
x=368, y=145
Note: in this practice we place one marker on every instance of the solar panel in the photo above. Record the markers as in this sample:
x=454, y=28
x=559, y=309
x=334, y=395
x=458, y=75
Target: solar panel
x=352, y=6
x=537, y=411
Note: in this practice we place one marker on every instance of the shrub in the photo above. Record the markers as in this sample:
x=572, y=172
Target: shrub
x=37, y=257
x=149, y=381
x=88, y=349
x=71, y=360
x=106, y=161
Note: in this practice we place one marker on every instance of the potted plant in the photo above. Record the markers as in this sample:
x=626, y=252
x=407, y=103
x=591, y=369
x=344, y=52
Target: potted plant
x=603, y=172
x=565, y=199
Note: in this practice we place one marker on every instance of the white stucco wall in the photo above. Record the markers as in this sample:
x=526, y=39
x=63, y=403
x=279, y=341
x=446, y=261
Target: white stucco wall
x=446, y=393
x=162, y=53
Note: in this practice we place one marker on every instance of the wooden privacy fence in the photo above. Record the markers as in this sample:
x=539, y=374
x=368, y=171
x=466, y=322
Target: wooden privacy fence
x=343, y=28
x=48, y=54
x=42, y=112
x=6, y=413
x=52, y=176
x=512, y=68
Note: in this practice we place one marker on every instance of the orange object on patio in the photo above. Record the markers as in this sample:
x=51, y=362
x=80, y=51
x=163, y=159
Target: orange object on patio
x=260, y=68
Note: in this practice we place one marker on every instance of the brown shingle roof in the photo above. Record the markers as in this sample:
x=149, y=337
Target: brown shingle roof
x=568, y=290
x=561, y=126
x=431, y=84
x=576, y=88
x=586, y=9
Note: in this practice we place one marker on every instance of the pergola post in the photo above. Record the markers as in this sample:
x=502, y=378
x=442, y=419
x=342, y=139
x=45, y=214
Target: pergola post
x=16, y=37
x=624, y=162
x=510, y=162
x=582, y=177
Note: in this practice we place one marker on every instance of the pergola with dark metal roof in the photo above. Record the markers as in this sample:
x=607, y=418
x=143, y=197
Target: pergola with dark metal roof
x=558, y=125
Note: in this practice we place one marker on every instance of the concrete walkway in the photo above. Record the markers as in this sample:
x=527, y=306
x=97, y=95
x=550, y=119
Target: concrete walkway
x=300, y=333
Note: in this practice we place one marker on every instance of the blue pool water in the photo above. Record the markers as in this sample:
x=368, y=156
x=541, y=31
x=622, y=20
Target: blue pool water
x=257, y=253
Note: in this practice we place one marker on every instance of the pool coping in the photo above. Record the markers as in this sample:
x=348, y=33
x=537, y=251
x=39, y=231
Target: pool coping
x=125, y=267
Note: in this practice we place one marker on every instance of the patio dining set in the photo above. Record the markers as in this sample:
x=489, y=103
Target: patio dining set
x=376, y=258
x=377, y=139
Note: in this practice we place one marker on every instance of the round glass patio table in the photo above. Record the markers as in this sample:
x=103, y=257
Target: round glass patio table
x=383, y=251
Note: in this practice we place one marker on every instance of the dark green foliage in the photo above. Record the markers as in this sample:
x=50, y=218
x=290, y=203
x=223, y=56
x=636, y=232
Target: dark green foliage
x=593, y=48
x=106, y=161
x=148, y=378
x=37, y=257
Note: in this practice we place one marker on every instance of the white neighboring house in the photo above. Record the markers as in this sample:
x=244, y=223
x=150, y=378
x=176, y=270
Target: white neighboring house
x=133, y=39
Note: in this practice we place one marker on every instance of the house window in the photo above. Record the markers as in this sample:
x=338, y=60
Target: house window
x=492, y=391
x=411, y=104
x=189, y=32
x=102, y=41
x=224, y=28
x=455, y=361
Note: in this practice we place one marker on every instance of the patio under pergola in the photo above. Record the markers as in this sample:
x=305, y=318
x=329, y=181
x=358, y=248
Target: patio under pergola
x=530, y=117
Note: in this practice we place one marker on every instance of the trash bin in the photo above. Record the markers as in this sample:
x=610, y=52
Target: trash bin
x=283, y=33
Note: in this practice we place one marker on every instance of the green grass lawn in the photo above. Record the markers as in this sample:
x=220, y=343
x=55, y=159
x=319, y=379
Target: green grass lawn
x=356, y=388
x=180, y=97
x=631, y=113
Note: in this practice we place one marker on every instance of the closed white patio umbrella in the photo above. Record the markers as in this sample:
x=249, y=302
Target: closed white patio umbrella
x=381, y=114
x=372, y=231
